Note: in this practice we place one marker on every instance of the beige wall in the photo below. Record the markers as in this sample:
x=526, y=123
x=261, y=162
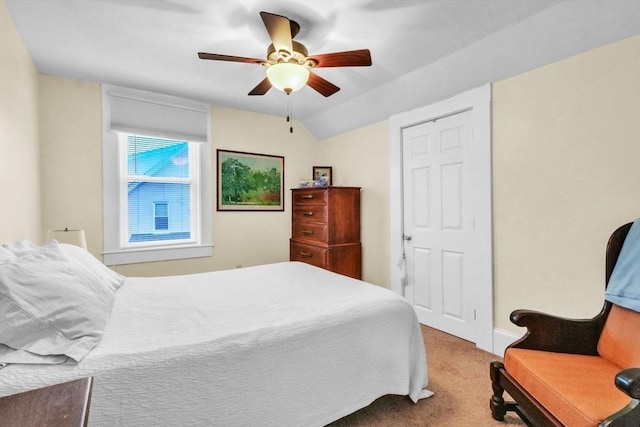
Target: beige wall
x=566, y=173
x=361, y=159
x=71, y=157
x=19, y=166
x=71, y=139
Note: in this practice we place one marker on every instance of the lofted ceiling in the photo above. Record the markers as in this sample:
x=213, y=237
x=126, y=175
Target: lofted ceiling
x=422, y=50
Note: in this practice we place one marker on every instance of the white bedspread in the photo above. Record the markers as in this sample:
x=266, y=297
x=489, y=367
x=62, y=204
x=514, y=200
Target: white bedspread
x=283, y=345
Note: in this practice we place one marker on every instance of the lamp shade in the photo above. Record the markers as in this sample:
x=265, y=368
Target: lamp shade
x=287, y=77
x=72, y=237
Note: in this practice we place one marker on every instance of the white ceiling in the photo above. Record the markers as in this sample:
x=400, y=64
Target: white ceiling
x=422, y=50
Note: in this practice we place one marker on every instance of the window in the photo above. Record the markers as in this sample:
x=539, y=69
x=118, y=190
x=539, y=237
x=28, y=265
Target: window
x=161, y=216
x=156, y=172
x=153, y=168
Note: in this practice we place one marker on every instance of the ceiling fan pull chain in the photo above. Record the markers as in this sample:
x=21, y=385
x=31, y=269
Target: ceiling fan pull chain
x=290, y=112
x=288, y=108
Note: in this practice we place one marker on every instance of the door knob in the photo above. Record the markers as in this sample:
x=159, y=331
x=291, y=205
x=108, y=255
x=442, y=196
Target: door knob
x=406, y=237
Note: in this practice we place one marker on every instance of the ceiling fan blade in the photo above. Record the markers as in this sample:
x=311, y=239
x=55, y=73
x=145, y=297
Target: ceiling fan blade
x=321, y=85
x=350, y=58
x=262, y=88
x=279, y=29
x=216, y=57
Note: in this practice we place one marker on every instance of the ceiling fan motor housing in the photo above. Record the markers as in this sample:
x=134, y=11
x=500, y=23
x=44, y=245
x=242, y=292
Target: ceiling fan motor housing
x=298, y=56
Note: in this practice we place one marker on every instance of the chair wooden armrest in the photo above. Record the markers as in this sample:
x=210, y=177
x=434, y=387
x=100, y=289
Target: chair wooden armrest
x=629, y=382
x=551, y=333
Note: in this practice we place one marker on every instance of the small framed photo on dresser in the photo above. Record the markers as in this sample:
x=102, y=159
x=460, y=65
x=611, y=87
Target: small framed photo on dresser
x=322, y=176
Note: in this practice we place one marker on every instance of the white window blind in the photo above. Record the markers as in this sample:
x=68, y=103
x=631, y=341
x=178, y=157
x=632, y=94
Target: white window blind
x=164, y=116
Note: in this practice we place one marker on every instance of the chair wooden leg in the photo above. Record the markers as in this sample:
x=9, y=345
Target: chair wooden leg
x=497, y=403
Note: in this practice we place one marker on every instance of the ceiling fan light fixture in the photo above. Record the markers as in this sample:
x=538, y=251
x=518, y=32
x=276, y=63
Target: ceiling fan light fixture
x=288, y=77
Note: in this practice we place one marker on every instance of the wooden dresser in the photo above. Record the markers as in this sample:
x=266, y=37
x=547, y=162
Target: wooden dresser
x=325, y=229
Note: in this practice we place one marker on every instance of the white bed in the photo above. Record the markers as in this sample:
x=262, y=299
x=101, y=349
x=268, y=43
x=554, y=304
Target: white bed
x=284, y=344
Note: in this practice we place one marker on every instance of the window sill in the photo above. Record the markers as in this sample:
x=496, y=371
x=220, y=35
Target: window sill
x=136, y=256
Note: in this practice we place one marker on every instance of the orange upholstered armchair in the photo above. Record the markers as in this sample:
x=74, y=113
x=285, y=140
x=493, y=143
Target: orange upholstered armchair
x=575, y=373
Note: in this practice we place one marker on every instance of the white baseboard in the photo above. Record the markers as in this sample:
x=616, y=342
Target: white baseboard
x=502, y=338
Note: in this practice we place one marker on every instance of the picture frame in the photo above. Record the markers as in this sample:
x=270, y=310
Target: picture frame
x=249, y=181
x=322, y=176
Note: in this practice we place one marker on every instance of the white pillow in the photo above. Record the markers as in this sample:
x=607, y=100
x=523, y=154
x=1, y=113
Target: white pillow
x=21, y=247
x=51, y=304
x=5, y=254
x=111, y=278
x=10, y=355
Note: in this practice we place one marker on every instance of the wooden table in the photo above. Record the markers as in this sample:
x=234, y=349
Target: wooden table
x=60, y=405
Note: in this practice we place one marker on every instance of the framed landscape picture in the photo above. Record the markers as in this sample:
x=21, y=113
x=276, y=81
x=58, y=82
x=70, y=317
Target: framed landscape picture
x=249, y=181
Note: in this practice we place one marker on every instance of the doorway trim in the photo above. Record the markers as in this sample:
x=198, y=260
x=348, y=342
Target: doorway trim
x=478, y=101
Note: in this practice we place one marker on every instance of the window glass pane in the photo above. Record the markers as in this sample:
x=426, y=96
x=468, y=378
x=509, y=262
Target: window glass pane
x=157, y=157
x=161, y=215
x=151, y=221
x=162, y=209
x=162, y=223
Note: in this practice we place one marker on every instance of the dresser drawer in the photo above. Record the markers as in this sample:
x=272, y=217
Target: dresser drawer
x=313, y=255
x=301, y=197
x=310, y=231
x=306, y=213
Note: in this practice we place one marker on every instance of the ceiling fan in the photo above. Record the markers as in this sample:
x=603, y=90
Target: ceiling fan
x=288, y=62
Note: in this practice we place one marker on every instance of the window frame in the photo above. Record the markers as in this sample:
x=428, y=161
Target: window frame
x=200, y=244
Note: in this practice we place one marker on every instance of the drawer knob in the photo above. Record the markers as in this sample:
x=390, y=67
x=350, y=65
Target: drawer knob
x=307, y=196
x=308, y=213
x=307, y=232
x=306, y=254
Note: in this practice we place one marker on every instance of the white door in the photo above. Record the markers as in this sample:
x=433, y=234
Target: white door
x=438, y=223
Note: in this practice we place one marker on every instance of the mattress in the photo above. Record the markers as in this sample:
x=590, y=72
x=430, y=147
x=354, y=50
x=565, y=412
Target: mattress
x=284, y=344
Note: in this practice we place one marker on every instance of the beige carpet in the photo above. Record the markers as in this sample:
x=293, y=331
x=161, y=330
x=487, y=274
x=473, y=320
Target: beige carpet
x=459, y=377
